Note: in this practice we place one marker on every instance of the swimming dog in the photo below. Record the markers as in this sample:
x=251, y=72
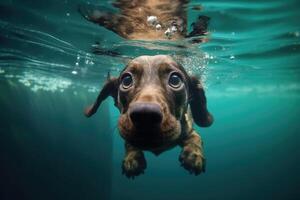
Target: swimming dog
x=158, y=102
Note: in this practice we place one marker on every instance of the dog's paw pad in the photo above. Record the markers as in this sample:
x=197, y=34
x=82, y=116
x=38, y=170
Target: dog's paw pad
x=192, y=160
x=133, y=166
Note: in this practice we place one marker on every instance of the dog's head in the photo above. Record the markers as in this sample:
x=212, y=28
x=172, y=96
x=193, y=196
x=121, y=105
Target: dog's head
x=153, y=94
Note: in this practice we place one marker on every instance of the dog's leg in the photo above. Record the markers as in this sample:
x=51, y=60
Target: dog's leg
x=134, y=162
x=191, y=157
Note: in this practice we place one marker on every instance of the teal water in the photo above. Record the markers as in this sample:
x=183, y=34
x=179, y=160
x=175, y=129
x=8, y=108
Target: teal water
x=49, y=73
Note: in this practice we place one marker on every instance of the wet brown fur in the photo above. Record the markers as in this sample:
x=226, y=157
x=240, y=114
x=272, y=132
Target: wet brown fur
x=179, y=108
x=131, y=21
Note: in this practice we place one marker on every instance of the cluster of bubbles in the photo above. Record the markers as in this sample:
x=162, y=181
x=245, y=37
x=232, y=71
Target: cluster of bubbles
x=87, y=61
x=196, y=64
x=170, y=29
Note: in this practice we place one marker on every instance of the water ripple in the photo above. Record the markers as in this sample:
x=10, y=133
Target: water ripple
x=249, y=42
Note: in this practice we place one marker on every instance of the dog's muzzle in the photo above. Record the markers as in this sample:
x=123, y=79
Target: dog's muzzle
x=146, y=115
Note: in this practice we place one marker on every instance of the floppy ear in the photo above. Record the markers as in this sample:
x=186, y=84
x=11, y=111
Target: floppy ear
x=110, y=88
x=198, y=105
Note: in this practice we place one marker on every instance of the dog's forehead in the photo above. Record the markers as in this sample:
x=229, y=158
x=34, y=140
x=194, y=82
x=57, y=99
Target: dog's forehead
x=154, y=61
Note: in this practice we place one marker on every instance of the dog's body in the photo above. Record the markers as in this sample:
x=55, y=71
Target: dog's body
x=157, y=100
x=131, y=22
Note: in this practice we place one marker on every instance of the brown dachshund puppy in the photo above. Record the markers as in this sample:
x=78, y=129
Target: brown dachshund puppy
x=155, y=96
x=146, y=19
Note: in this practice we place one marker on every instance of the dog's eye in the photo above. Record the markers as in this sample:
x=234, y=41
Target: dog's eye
x=175, y=80
x=127, y=81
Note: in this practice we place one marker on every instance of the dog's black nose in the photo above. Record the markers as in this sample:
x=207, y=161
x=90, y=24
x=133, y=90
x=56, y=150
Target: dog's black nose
x=145, y=114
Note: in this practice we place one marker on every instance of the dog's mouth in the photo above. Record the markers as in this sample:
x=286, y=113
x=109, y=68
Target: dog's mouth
x=151, y=140
x=149, y=125
x=149, y=136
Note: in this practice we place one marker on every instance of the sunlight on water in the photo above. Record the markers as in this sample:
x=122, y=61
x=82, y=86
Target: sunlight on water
x=2, y=71
x=39, y=82
x=280, y=90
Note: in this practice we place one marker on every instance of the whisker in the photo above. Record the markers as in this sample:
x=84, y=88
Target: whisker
x=190, y=98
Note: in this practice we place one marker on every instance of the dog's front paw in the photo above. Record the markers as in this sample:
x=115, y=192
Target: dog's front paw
x=192, y=159
x=134, y=164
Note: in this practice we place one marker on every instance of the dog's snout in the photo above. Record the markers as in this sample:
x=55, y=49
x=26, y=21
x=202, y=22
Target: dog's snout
x=145, y=114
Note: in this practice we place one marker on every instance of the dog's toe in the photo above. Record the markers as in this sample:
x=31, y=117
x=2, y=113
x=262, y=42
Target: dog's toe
x=133, y=165
x=192, y=160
